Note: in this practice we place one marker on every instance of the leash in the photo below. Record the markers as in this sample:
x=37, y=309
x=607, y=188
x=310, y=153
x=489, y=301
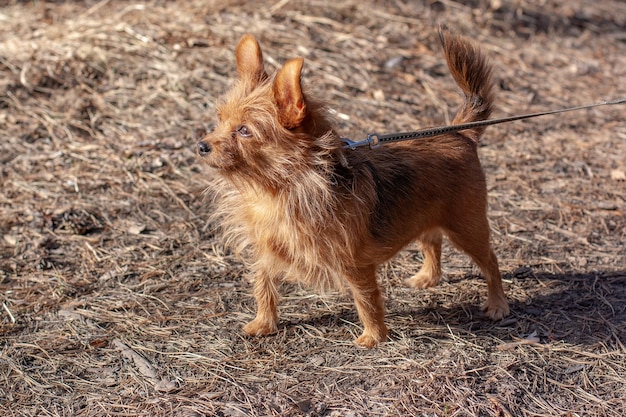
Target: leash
x=374, y=140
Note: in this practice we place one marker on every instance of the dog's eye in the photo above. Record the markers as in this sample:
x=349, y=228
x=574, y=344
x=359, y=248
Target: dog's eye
x=244, y=131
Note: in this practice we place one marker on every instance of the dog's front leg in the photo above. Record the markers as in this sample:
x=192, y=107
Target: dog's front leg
x=370, y=306
x=266, y=295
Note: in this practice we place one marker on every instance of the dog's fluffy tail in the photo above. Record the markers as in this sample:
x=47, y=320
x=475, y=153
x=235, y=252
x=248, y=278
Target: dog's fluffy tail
x=472, y=73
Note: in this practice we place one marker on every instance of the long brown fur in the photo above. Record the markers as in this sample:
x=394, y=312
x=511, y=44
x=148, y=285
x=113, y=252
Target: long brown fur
x=312, y=212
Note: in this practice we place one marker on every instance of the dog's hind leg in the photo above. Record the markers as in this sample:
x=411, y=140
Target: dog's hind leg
x=471, y=235
x=430, y=273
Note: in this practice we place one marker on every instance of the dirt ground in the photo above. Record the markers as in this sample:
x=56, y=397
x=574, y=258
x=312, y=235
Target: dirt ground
x=118, y=299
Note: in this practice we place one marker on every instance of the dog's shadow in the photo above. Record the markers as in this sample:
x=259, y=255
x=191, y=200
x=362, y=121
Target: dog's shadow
x=578, y=308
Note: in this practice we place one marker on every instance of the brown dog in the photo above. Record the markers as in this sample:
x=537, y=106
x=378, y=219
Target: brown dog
x=313, y=212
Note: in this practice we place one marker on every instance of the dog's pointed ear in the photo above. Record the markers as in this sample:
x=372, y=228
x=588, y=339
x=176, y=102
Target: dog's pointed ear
x=288, y=94
x=250, y=60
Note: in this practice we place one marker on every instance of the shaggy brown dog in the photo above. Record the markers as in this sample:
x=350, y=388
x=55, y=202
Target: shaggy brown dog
x=313, y=212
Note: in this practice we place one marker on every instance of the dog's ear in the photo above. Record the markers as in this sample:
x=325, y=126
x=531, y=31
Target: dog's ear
x=250, y=60
x=288, y=94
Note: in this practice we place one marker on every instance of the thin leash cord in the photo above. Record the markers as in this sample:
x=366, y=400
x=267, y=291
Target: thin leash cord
x=374, y=139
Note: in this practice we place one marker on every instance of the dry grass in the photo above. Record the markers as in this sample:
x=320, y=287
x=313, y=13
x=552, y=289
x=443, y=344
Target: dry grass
x=116, y=298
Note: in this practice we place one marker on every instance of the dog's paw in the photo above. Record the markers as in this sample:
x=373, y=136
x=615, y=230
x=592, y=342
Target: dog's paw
x=260, y=328
x=366, y=341
x=423, y=279
x=369, y=340
x=496, y=310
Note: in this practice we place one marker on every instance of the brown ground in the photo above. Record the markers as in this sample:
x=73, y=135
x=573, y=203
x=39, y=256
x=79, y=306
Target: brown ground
x=116, y=298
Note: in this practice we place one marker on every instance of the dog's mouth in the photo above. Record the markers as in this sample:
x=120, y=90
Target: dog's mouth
x=223, y=161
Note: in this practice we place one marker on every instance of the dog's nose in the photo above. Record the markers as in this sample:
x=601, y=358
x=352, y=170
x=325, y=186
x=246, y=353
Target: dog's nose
x=204, y=148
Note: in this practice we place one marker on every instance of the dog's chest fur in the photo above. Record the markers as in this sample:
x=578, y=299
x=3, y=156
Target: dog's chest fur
x=290, y=233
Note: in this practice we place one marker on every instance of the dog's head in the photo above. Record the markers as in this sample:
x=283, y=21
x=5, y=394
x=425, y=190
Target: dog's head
x=264, y=123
